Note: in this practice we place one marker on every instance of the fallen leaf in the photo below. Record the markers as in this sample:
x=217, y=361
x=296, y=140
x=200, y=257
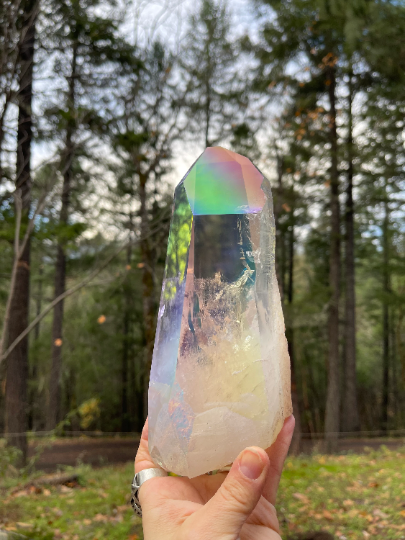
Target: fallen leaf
x=100, y=518
x=22, y=493
x=377, y=512
x=301, y=497
x=327, y=515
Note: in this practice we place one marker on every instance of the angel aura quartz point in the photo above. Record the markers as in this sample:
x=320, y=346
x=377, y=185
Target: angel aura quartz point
x=220, y=377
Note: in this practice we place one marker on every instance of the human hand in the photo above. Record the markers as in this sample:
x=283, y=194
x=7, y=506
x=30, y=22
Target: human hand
x=238, y=505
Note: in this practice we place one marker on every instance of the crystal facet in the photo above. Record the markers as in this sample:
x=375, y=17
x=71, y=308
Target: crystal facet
x=220, y=378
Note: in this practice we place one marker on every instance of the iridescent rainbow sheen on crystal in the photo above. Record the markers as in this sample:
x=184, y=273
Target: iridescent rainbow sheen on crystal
x=222, y=182
x=220, y=378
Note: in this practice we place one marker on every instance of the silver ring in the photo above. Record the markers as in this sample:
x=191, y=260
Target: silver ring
x=139, y=479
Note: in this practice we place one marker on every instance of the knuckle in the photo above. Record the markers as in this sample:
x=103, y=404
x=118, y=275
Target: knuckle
x=266, y=515
x=189, y=531
x=233, y=495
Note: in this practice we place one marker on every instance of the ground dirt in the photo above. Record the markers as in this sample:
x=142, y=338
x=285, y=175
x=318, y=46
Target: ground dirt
x=104, y=451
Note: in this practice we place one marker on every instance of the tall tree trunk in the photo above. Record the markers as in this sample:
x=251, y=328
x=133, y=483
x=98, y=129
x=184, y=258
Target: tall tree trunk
x=386, y=321
x=126, y=348
x=279, y=239
x=38, y=302
x=148, y=287
x=207, y=113
x=60, y=267
x=16, y=406
x=350, y=420
x=32, y=394
x=296, y=440
x=332, y=415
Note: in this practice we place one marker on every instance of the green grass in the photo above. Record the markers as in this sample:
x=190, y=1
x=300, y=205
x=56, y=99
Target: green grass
x=353, y=497
x=96, y=508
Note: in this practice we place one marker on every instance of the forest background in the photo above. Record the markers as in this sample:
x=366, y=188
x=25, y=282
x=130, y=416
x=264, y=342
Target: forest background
x=103, y=108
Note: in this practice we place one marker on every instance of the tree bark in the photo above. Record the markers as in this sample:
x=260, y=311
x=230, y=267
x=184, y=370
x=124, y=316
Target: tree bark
x=16, y=406
x=279, y=240
x=295, y=448
x=386, y=321
x=332, y=415
x=60, y=267
x=207, y=113
x=350, y=420
x=148, y=288
x=32, y=393
x=125, y=349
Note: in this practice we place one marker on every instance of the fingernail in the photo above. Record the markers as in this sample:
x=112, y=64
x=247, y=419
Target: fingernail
x=251, y=464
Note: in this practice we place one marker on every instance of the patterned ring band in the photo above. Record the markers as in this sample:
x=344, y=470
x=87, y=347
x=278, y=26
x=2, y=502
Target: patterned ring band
x=137, y=482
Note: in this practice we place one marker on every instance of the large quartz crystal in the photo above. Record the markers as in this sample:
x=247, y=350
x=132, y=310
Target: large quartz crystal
x=220, y=378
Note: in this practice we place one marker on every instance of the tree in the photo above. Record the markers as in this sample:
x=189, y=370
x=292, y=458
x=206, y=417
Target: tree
x=385, y=159
x=350, y=419
x=12, y=35
x=149, y=123
x=88, y=49
x=312, y=45
x=17, y=365
x=214, y=97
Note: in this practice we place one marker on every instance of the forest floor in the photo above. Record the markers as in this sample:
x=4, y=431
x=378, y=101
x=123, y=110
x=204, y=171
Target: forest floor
x=351, y=496
x=52, y=453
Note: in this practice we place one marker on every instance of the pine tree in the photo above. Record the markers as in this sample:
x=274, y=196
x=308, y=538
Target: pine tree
x=384, y=181
x=17, y=363
x=88, y=50
x=147, y=125
x=209, y=57
x=314, y=37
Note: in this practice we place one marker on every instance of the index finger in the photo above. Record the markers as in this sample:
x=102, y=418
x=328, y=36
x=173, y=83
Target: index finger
x=277, y=453
x=143, y=460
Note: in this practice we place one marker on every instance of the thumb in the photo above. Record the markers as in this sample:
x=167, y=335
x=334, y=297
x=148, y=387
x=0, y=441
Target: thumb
x=226, y=512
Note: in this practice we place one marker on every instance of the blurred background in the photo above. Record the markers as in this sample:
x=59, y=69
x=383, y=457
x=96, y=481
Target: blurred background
x=104, y=105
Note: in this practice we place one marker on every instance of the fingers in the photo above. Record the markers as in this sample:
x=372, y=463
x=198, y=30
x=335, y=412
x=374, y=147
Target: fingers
x=277, y=454
x=225, y=513
x=143, y=459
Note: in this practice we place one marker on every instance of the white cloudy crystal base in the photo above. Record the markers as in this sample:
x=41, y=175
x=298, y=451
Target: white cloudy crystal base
x=223, y=429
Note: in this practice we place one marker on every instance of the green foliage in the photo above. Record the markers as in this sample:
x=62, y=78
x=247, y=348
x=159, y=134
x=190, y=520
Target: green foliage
x=214, y=95
x=9, y=456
